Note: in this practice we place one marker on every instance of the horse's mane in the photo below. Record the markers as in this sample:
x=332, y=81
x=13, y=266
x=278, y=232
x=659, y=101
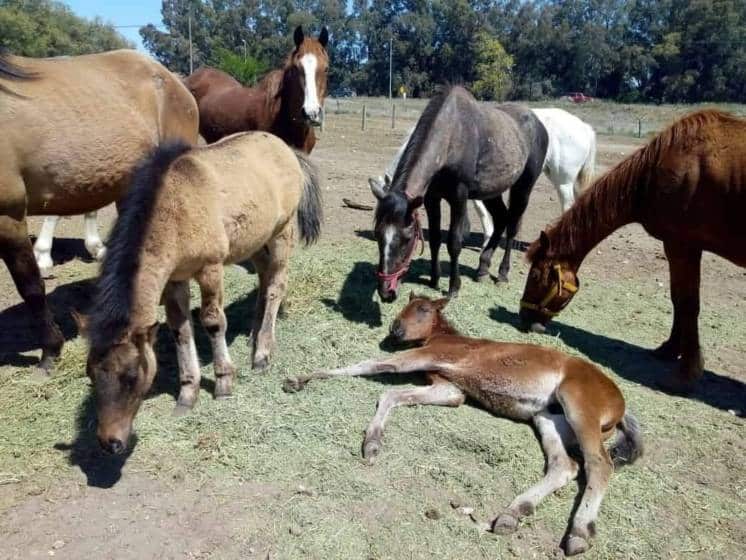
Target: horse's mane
x=113, y=297
x=616, y=194
x=11, y=71
x=419, y=137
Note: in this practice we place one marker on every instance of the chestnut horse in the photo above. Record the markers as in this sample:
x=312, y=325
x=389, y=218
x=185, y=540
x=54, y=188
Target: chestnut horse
x=288, y=102
x=687, y=188
x=72, y=131
x=188, y=212
x=569, y=401
x=459, y=150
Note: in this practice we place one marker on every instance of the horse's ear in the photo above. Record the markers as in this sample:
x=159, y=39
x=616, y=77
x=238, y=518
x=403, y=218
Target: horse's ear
x=387, y=181
x=81, y=321
x=411, y=295
x=324, y=37
x=298, y=36
x=544, y=241
x=377, y=188
x=439, y=304
x=149, y=335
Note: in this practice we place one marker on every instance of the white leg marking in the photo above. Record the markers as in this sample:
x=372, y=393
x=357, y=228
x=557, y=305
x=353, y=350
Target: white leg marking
x=43, y=245
x=486, y=220
x=93, y=243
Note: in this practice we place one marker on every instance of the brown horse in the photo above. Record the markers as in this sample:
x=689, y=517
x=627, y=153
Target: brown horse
x=72, y=131
x=569, y=401
x=188, y=212
x=687, y=188
x=288, y=102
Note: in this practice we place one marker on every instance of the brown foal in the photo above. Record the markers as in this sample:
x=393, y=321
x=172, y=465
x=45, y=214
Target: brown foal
x=518, y=381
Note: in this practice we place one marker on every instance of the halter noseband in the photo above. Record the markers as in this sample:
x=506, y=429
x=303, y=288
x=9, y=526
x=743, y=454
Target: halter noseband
x=393, y=277
x=554, y=291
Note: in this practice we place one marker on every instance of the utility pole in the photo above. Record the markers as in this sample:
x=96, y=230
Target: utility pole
x=191, y=56
x=244, y=49
x=391, y=64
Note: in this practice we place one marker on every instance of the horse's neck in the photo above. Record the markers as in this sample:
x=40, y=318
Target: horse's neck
x=442, y=328
x=150, y=281
x=287, y=120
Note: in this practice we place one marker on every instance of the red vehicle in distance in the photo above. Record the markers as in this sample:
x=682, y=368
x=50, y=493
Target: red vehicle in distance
x=578, y=97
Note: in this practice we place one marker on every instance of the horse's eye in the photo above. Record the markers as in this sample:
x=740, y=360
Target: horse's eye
x=422, y=309
x=129, y=378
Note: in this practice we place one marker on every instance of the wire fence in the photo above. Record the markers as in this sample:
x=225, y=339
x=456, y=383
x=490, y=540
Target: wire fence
x=606, y=117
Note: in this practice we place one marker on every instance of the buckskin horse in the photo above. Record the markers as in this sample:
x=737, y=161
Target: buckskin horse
x=687, y=187
x=188, y=212
x=288, y=102
x=568, y=400
x=72, y=131
x=460, y=150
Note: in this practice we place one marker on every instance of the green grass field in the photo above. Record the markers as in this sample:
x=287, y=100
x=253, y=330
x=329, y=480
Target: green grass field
x=683, y=500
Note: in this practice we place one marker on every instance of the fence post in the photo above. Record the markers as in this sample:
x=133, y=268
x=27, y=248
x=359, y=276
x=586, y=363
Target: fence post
x=639, y=128
x=364, y=115
x=338, y=106
x=393, y=115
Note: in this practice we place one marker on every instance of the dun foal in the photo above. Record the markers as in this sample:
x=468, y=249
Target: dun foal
x=519, y=381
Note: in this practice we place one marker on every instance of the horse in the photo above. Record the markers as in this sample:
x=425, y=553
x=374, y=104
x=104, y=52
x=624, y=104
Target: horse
x=687, y=188
x=570, y=162
x=459, y=150
x=567, y=399
x=43, y=243
x=72, y=130
x=188, y=213
x=288, y=102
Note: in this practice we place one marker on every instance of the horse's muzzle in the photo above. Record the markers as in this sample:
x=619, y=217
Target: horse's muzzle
x=532, y=321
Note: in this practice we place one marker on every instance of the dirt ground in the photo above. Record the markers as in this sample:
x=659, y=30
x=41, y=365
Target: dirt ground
x=164, y=506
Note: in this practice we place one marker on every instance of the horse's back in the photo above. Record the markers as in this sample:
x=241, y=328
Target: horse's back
x=571, y=142
x=78, y=128
x=207, y=80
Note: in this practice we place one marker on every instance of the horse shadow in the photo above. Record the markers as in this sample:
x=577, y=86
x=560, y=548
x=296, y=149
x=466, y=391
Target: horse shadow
x=355, y=301
x=637, y=364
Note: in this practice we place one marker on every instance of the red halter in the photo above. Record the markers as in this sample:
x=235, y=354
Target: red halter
x=392, y=278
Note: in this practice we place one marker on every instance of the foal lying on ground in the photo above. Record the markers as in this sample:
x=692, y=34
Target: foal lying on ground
x=518, y=381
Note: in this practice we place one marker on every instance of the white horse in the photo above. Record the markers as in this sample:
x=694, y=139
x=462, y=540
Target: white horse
x=570, y=161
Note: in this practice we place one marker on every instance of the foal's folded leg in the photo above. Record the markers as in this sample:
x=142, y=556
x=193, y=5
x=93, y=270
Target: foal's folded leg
x=440, y=393
x=210, y=280
x=555, y=434
x=176, y=300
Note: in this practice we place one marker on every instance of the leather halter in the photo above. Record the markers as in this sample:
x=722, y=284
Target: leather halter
x=392, y=278
x=554, y=291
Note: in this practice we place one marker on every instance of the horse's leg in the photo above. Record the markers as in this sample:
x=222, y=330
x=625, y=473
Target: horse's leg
x=585, y=421
x=408, y=361
x=43, y=246
x=440, y=393
x=176, y=300
x=518, y=203
x=275, y=279
x=16, y=251
x=432, y=206
x=455, y=240
x=566, y=193
x=684, y=265
x=212, y=316
x=498, y=211
x=93, y=243
x=486, y=220
x=556, y=435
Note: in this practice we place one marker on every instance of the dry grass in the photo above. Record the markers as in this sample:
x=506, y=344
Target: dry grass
x=684, y=500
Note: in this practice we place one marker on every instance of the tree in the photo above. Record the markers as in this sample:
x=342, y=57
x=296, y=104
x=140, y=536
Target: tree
x=42, y=28
x=493, y=68
x=247, y=69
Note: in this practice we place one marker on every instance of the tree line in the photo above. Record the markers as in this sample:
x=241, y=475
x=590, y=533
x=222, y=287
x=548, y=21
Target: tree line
x=630, y=50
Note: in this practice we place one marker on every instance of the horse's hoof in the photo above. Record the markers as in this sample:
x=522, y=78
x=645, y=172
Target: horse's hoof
x=371, y=449
x=434, y=284
x=505, y=524
x=100, y=255
x=293, y=385
x=46, y=272
x=260, y=364
x=502, y=279
x=46, y=365
x=576, y=545
x=482, y=277
x=181, y=410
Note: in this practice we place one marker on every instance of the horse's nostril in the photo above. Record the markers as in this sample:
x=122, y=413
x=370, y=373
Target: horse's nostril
x=115, y=446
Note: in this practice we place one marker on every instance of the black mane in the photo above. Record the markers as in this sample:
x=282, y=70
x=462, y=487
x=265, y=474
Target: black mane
x=419, y=137
x=113, y=298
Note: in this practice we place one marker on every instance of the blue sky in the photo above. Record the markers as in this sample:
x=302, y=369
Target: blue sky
x=121, y=13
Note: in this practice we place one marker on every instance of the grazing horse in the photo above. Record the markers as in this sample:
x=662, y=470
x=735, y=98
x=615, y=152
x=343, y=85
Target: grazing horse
x=569, y=401
x=460, y=150
x=188, y=212
x=570, y=162
x=288, y=102
x=687, y=188
x=72, y=131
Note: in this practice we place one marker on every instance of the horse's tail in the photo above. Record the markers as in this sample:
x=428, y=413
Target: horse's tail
x=11, y=71
x=310, y=209
x=627, y=446
x=585, y=177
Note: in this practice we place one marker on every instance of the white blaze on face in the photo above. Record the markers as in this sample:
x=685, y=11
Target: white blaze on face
x=388, y=237
x=311, y=105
